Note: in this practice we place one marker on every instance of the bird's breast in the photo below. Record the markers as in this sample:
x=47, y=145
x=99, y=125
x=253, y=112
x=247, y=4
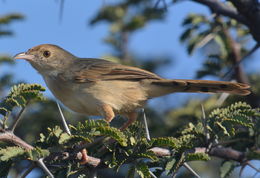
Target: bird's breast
x=71, y=95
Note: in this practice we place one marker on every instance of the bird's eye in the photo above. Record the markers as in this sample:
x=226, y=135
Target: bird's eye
x=46, y=53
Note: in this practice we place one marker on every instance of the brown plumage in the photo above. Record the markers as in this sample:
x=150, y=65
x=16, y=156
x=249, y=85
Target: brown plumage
x=100, y=87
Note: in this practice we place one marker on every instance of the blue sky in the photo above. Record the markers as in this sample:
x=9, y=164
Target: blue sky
x=41, y=25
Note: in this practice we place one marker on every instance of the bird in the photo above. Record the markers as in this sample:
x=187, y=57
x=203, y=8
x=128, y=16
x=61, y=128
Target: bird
x=100, y=87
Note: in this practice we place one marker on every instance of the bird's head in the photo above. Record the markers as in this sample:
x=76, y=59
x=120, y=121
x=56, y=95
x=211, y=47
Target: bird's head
x=47, y=57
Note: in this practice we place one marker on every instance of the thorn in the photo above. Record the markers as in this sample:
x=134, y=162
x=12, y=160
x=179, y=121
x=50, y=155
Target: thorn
x=257, y=45
x=61, y=10
x=28, y=171
x=152, y=174
x=222, y=99
x=191, y=170
x=17, y=119
x=204, y=122
x=255, y=174
x=156, y=4
x=146, y=126
x=65, y=125
x=44, y=168
x=253, y=167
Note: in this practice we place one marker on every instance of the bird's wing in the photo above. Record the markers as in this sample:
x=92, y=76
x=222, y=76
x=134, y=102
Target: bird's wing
x=91, y=70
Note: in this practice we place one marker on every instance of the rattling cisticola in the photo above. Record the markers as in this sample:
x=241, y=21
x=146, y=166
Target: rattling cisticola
x=100, y=87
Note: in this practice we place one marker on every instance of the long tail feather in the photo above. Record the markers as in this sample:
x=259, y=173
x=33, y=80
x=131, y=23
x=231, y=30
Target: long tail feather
x=162, y=87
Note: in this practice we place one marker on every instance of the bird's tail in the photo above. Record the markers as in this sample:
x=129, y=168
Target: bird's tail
x=163, y=87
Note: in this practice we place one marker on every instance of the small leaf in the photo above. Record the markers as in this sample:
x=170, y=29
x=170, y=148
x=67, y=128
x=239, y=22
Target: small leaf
x=11, y=152
x=227, y=168
x=143, y=170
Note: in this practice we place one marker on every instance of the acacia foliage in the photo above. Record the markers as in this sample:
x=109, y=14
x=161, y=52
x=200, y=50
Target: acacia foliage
x=223, y=127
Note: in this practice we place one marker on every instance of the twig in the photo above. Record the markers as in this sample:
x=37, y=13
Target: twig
x=220, y=8
x=156, y=4
x=204, y=122
x=253, y=167
x=146, y=126
x=220, y=152
x=160, y=151
x=61, y=10
x=17, y=119
x=255, y=174
x=28, y=170
x=7, y=136
x=205, y=40
x=4, y=122
x=242, y=59
x=64, y=123
x=187, y=166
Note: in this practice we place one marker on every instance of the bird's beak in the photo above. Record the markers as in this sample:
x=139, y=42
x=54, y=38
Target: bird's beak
x=25, y=56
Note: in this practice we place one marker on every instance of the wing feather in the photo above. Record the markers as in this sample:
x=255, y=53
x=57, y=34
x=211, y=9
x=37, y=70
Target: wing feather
x=92, y=70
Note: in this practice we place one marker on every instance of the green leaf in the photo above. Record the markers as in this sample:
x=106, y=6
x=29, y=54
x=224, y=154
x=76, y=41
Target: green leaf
x=227, y=168
x=197, y=157
x=113, y=133
x=234, y=116
x=143, y=170
x=149, y=154
x=38, y=153
x=21, y=95
x=10, y=152
x=220, y=41
x=169, y=166
x=165, y=142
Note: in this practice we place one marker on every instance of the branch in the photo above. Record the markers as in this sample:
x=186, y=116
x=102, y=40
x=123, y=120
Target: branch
x=246, y=12
x=250, y=9
x=7, y=136
x=220, y=152
x=256, y=47
x=220, y=8
x=17, y=119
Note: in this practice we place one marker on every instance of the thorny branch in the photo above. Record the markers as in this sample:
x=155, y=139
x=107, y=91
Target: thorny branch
x=7, y=136
x=220, y=152
x=246, y=12
x=220, y=8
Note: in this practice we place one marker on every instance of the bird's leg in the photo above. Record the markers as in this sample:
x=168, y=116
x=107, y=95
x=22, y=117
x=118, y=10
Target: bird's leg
x=107, y=112
x=132, y=116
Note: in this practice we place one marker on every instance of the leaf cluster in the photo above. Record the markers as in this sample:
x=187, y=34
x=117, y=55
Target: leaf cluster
x=20, y=96
x=131, y=147
x=7, y=19
x=124, y=18
x=217, y=36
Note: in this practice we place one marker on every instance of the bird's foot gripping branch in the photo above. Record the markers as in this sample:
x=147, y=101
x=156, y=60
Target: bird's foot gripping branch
x=230, y=133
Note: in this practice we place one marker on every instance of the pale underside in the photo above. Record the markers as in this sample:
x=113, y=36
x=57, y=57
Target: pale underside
x=87, y=98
